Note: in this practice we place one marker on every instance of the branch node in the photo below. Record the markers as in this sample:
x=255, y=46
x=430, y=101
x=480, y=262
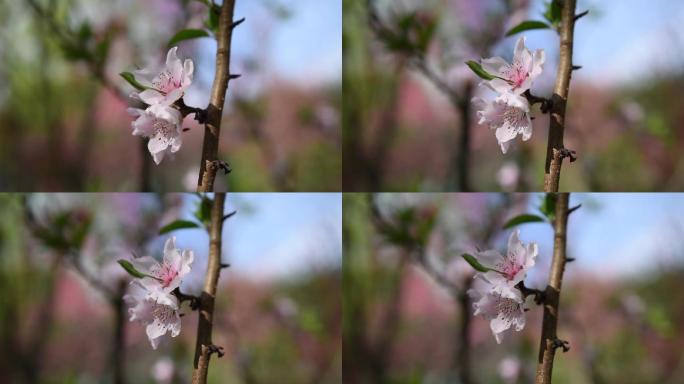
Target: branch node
x=569, y=153
x=237, y=22
x=576, y=67
x=569, y=259
x=573, y=209
x=234, y=76
x=225, y=265
x=532, y=99
x=558, y=343
x=224, y=166
x=228, y=216
x=211, y=348
x=194, y=300
x=581, y=15
x=539, y=295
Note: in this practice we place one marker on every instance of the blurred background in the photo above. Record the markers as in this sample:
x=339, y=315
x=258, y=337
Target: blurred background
x=407, y=318
x=63, y=120
x=278, y=308
x=409, y=125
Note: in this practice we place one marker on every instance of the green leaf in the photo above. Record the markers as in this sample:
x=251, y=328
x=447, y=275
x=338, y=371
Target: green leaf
x=178, y=224
x=527, y=25
x=187, y=34
x=477, y=68
x=213, y=20
x=85, y=32
x=203, y=211
x=125, y=264
x=522, y=219
x=474, y=263
x=548, y=206
x=553, y=12
x=132, y=81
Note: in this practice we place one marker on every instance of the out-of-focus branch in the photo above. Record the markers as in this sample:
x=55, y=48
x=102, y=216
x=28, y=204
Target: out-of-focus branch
x=204, y=346
x=459, y=100
x=212, y=128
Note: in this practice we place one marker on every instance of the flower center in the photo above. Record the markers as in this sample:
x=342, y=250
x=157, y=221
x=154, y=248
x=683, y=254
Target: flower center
x=163, y=129
x=163, y=313
x=166, y=273
x=507, y=306
x=514, y=116
x=516, y=74
x=166, y=82
x=508, y=268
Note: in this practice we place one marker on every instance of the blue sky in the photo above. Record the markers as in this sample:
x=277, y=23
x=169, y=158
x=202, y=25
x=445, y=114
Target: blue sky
x=273, y=235
x=306, y=47
x=620, y=42
x=617, y=235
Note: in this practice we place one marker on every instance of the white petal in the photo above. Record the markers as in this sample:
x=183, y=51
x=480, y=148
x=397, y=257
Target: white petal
x=526, y=130
x=154, y=330
x=158, y=156
x=525, y=60
x=172, y=59
x=188, y=70
x=151, y=96
x=176, y=326
x=166, y=299
x=499, y=323
x=498, y=337
x=537, y=63
x=494, y=65
x=144, y=264
x=154, y=342
x=500, y=85
x=188, y=257
x=174, y=64
x=143, y=125
x=532, y=252
x=506, y=133
x=134, y=111
x=519, y=320
x=169, y=245
x=174, y=95
x=157, y=144
x=504, y=146
x=519, y=48
x=176, y=143
x=489, y=258
x=165, y=112
x=157, y=148
x=516, y=251
x=508, y=290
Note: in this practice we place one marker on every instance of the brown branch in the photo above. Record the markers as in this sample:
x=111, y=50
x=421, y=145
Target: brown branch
x=549, y=341
x=204, y=346
x=212, y=128
x=463, y=343
x=118, y=343
x=555, y=148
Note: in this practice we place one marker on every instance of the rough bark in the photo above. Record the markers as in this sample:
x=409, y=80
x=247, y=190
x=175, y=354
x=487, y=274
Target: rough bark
x=549, y=341
x=555, y=149
x=204, y=346
x=212, y=128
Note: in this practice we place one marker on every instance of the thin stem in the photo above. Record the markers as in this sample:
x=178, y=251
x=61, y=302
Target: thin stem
x=118, y=347
x=461, y=161
x=204, y=346
x=549, y=340
x=555, y=151
x=463, y=350
x=212, y=128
